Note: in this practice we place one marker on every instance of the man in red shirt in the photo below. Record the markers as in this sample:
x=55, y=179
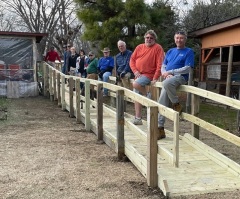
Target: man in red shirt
x=145, y=62
x=51, y=56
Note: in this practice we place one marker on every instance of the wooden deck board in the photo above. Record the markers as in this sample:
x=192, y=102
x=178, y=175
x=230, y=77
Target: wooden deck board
x=197, y=173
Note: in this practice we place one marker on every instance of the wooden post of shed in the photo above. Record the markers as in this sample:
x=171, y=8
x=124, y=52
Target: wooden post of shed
x=87, y=106
x=63, y=92
x=78, y=113
x=152, y=148
x=120, y=123
x=71, y=108
x=99, y=111
x=229, y=71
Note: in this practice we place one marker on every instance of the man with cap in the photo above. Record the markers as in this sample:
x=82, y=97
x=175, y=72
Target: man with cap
x=105, y=67
x=92, y=71
x=175, y=70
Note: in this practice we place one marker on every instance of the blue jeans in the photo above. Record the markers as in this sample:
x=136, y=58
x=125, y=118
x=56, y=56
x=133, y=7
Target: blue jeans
x=143, y=81
x=105, y=78
x=169, y=93
x=64, y=69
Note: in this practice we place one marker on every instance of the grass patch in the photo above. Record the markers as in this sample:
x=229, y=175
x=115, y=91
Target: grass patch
x=3, y=102
x=219, y=116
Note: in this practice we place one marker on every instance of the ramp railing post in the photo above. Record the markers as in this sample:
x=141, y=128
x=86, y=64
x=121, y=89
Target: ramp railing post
x=87, y=106
x=152, y=148
x=58, y=89
x=176, y=140
x=195, y=111
x=63, y=102
x=54, y=86
x=71, y=108
x=51, y=83
x=46, y=79
x=190, y=83
x=78, y=114
x=99, y=111
x=120, y=123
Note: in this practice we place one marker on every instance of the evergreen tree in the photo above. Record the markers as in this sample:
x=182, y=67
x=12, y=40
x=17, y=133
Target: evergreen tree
x=107, y=21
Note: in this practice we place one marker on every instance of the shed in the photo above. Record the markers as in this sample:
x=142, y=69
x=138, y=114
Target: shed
x=220, y=56
x=18, y=63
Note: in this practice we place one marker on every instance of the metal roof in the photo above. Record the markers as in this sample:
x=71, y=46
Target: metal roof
x=38, y=36
x=216, y=28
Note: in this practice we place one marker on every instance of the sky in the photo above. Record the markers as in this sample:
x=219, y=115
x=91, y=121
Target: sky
x=181, y=5
x=176, y=2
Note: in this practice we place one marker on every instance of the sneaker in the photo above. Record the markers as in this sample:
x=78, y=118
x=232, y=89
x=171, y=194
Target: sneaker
x=161, y=133
x=137, y=121
x=177, y=107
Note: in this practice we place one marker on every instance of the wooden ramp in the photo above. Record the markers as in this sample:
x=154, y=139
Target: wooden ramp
x=201, y=168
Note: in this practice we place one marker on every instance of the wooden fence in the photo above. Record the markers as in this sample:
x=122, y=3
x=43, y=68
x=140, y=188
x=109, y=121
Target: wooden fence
x=54, y=86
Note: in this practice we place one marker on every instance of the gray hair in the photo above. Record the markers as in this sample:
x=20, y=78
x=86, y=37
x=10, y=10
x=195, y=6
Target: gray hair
x=151, y=32
x=121, y=42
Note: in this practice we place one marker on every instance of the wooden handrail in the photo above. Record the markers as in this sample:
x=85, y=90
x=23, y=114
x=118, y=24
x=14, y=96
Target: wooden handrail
x=153, y=108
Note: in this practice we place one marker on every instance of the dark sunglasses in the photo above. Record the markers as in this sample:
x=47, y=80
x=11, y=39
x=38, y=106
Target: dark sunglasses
x=180, y=33
x=149, y=38
x=90, y=55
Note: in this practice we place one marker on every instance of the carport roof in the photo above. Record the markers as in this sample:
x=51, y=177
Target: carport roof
x=38, y=36
x=233, y=22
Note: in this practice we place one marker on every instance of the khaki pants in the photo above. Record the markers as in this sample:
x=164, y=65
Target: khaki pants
x=92, y=76
x=125, y=81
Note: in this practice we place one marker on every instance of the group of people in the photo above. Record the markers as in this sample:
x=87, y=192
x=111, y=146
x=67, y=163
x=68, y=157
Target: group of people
x=91, y=68
x=145, y=65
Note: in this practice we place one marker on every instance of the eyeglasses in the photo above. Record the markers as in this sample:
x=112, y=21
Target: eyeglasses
x=149, y=38
x=90, y=55
x=180, y=33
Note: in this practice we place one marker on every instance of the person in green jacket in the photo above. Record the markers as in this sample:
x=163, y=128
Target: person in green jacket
x=92, y=73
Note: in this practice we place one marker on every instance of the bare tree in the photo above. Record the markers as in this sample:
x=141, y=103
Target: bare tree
x=6, y=20
x=205, y=14
x=56, y=17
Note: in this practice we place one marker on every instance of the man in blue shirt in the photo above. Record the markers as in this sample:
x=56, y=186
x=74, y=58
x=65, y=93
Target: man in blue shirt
x=105, y=67
x=175, y=70
x=124, y=72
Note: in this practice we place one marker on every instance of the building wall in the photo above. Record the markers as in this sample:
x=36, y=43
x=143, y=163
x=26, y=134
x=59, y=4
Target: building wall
x=226, y=37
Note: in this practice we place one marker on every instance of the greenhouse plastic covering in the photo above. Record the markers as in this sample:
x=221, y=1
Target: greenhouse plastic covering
x=16, y=63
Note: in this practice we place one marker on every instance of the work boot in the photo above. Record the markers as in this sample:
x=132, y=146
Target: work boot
x=177, y=107
x=161, y=133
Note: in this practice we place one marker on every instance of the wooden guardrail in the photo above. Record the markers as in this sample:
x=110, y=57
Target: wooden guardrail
x=54, y=84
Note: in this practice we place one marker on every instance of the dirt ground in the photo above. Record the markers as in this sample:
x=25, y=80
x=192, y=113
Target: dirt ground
x=44, y=154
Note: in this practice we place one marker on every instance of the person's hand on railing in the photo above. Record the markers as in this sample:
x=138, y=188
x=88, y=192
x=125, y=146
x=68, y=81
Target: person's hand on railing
x=153, y=82
x=166, y=75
